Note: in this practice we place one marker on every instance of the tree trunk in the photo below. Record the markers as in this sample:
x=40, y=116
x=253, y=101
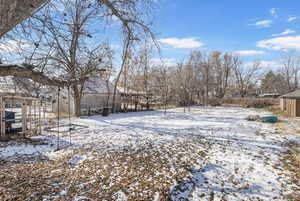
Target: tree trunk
x=108, y=93
x=124, y=59
x=243, y=93
x=147, y=103
x=77, y=103
x=114, y=108
x=77, y=100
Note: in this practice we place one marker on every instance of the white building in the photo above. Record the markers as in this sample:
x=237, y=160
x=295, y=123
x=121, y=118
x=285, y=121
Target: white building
x=97, y=95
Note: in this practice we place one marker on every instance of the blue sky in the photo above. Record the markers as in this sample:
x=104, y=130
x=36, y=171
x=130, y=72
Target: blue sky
x=257, y=29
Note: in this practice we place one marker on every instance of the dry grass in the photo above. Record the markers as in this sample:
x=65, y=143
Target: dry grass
x=295, y=152
x=140, y=174
x=291, y=159
x=291, y=163
x=278, y=112
x=61, y=115
x=286, y=124
x=162, y=107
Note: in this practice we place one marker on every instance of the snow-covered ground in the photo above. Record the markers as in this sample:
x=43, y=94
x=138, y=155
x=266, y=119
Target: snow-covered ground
x=241, y=159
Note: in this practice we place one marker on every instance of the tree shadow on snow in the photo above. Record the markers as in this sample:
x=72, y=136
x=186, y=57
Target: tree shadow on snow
x=233, y=136
x=198, y=181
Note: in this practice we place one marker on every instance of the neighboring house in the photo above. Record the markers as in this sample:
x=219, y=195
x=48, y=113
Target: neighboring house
x=97, y=95
x=269, y=95
x=65, y=103
x=7, y=86
x=291, y=103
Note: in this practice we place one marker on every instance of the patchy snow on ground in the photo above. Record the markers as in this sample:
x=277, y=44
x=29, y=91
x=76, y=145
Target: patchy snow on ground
x=242, y=158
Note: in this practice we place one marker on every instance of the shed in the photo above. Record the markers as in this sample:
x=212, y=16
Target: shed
x=291, y=103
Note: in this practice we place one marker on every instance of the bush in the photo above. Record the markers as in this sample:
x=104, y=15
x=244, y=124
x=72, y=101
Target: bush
x=215, y=102
x=252, y=102
x=259, y=104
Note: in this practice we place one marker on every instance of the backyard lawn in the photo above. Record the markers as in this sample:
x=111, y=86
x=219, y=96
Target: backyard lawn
x=207, y=153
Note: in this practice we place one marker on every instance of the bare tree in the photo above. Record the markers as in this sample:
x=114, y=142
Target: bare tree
x=59, y=34
x=184, y=83
x=162, y=79
x=128, y=78
x=290, y=70
x=245, y=76
x=125, y=55
x=139, y=66
x=222, y=65
x=145, y=68
x=203, y=74
x=134, y=26
x=62, y=36
x=273, y=82
x=15, y=11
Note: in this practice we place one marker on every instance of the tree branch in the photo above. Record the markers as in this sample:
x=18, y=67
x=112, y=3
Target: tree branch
x=27, y=71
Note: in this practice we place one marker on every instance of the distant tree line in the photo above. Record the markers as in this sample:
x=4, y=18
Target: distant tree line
x=63, y=43
x=204, y=76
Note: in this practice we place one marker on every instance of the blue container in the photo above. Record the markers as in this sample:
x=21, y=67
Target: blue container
x=269, y=119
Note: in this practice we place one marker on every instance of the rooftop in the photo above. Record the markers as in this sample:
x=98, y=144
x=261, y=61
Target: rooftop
x=128, y=91
x=294, y=94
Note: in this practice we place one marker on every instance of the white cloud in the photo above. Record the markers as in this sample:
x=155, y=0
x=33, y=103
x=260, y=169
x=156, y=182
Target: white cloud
x=115, y=46
x=263, y=23
x=269, y=64
x=181, y=43
x=249, y=52
x=281, y=43
x=291, y=19
x=11, y=46
x=286, y=32
x=273, y=12
x=163, y=61
x=265, y=64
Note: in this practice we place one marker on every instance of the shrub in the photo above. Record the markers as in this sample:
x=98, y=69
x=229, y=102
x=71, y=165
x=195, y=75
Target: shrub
x=252, y=102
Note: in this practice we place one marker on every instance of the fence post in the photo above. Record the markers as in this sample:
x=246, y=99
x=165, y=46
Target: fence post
x=2, y=118
x=24, y=118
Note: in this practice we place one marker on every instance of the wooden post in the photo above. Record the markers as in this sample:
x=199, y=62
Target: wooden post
x=44, y=112
x=30, y=116
x=34, y=116
x=24, y=118
x=2, y=118
x=40, y=116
